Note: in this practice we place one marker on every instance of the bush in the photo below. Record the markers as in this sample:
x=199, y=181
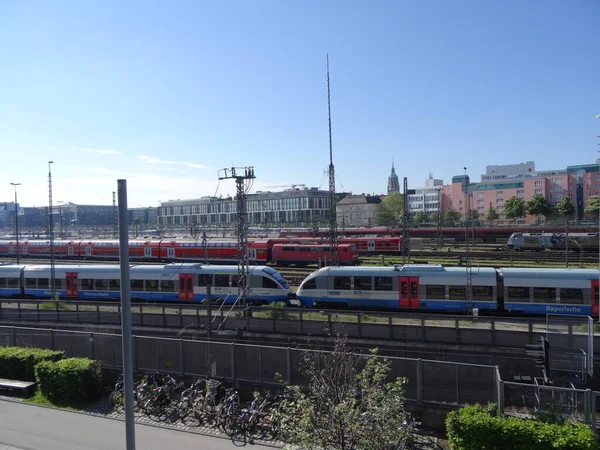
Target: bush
x=475, y=428
x=277, y=310
x=69, y=379
x=18, y=363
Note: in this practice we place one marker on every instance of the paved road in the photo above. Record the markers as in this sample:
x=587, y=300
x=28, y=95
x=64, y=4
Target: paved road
x=30, y=427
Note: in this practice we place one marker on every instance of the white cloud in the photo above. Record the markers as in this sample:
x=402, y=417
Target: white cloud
x=153, y=160
x=97, y=150
x=195, y=166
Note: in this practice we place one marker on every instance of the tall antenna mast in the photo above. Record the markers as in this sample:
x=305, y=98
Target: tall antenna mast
x=333, y=242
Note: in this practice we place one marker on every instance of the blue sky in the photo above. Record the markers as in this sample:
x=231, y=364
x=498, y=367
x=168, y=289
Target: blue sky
x=164, y=94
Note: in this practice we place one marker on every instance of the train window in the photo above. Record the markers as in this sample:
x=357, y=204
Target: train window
x=115, y=285
x=289, y=249
x=435, y=291
x=383, y=283
x=483, y=293
x=341, y=283
x=102, y=285
x=310, y=284
x=2, y=282
x=404, y=289
x=12, y=282
x=30, y=283
x=43, y=283
x=362, y=283
x=204, y=280
x=544, y=295
x=221, y=280
x=518, y=293
x=268, y=283
x=87, y=284
x=457, y=293
x=58, y=284
x=167, y=285
x=152, y=285
x=234, y=280
x=574, y=296
x=137, y=285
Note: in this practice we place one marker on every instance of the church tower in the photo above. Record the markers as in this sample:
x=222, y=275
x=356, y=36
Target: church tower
x=393, y=183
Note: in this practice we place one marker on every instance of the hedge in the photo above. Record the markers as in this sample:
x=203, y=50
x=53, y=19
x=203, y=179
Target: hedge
x=475, y=428
x=18, y=363
x=69, y=379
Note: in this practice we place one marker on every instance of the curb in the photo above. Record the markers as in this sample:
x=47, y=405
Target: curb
x=100, y=416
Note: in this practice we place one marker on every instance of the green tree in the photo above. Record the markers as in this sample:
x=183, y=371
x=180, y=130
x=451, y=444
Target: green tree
x=592, y=206
x=452, y=216
x=514, y=208
x=472, y=215
x=491, y=215
x=419, y=219
x=538, y=206
x=565, y=208
x=392, y=210
x=348, y=403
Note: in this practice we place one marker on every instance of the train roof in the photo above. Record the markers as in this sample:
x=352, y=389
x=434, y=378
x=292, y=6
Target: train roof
x=549, y=274
x=415, y=270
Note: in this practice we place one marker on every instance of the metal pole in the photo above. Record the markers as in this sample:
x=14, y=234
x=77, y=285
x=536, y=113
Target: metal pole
x=51, y=231
x=126, y=315
x=16, y=219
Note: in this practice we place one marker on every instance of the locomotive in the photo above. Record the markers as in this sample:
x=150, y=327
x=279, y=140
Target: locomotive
x=578, y=242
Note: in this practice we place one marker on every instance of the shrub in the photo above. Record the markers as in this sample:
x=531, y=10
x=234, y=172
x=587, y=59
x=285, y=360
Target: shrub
x=277, y=310
x=475, y=428
x=18, y=363
x=69, y=379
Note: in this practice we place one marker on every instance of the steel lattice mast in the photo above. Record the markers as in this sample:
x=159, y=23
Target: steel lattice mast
x=242, y=225
x=333, y=239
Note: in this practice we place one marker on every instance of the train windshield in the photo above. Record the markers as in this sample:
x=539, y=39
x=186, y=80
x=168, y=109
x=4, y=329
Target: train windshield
x=277, y=276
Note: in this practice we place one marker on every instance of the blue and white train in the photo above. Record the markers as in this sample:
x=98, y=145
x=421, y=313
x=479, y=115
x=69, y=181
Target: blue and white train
x=444, y=289
x=173, y=282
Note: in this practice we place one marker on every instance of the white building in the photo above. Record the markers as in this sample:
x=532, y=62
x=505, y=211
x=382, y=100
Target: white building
x=358, y=211
x=426, y=198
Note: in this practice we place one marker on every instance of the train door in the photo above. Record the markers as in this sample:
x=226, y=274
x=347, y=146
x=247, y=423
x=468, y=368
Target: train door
x=148, y=252
x=170, y=253
x=23, y=250
x=370, y=246
x=595, y=299
x=186, y=286
x=252, y=254
x=71, y=283
x=88, y=251
x=70, y=250
x=409, y=292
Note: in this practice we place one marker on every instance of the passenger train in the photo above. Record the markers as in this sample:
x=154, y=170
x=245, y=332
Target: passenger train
x=443, y=289
x=172, y=282
x=578, y=242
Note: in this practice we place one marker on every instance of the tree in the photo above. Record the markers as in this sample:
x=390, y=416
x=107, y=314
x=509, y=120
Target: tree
x=472, y=215
x=348, y=403
x=565, y=208
x=452, y=216
x=419, y=219
x=592, y=207
x=514, y=208
x=538, y=206
x=392, y=210
x=491, y=215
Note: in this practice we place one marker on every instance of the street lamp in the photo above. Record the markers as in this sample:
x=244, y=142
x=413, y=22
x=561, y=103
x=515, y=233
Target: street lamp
x=16, y=219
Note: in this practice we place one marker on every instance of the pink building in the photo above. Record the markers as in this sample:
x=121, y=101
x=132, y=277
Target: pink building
x=521, y=180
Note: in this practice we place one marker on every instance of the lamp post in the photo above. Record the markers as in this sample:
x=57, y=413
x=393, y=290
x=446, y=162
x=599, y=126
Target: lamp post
x=16, y=219
x=51, y=231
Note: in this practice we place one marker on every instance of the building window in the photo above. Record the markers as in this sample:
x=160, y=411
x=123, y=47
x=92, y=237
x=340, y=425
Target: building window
x=480, y=194
x=480, y=202
x=499, y=193
x=538, y=191
x=539, y=183
x=500, y=209
x=499, y=201
x=520, y=192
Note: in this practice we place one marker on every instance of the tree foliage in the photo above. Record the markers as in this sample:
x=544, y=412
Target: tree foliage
x=452, y=216
x=538, y=206
x=392, y=210
x=592, y=206
x=348, y=403
x=565, y=207
x=472, y=215
x=491, y=215
x=419, y=219
x=514, y=208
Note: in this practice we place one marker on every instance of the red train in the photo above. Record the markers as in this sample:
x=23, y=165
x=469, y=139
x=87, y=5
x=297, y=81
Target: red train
x=260, y=252
x=390, y=245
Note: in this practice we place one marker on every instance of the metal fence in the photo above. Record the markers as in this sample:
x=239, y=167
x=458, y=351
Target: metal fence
x=428, y=382
x=565, y=355
x=429, y=329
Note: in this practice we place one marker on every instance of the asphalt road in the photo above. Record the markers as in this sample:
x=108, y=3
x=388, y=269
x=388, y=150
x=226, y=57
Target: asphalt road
x=30, y=427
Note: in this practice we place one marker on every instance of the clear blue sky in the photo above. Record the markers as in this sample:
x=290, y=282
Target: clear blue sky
x=435, y=85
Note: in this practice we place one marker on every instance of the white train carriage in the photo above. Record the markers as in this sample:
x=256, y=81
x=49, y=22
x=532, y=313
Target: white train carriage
x=430, y=287
x=551, y=291
x=10, y=280
x=172, y=282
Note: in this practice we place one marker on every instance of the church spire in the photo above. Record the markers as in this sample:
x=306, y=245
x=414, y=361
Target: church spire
x=393, y=182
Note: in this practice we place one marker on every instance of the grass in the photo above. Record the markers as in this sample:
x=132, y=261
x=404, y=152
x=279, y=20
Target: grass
x=53, y=306
x=40, y=399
